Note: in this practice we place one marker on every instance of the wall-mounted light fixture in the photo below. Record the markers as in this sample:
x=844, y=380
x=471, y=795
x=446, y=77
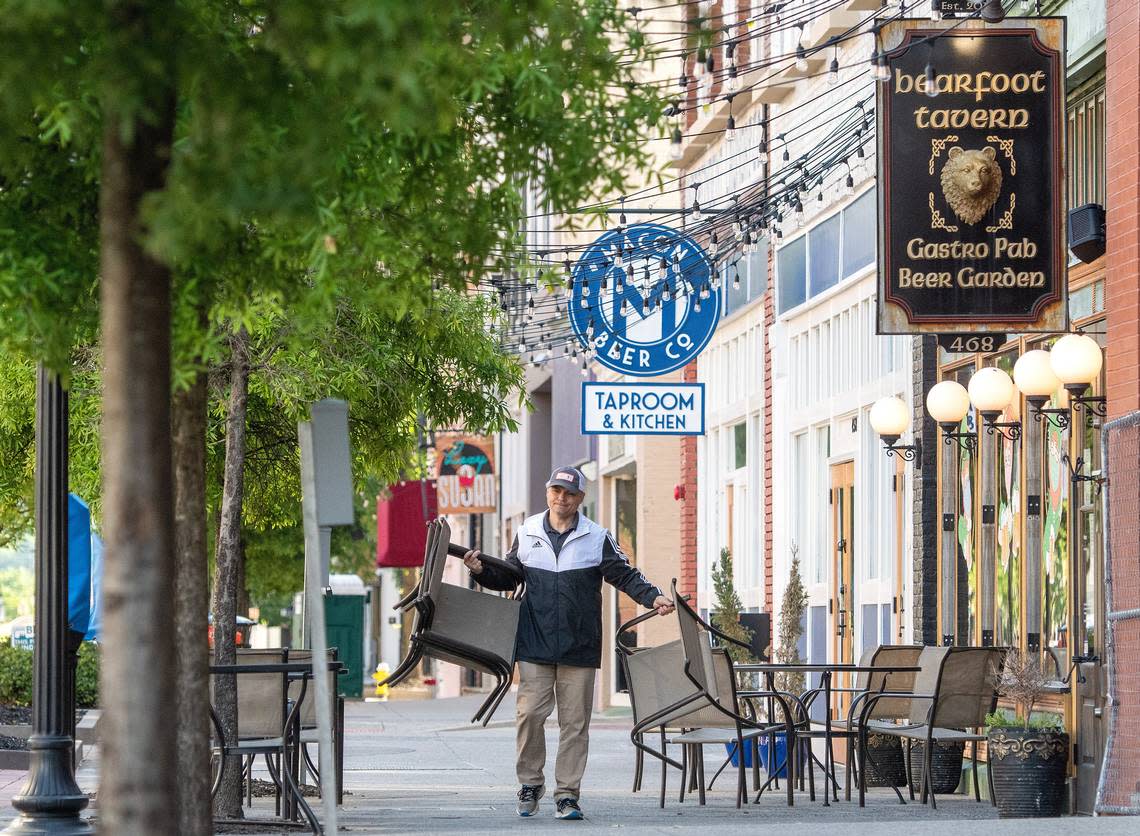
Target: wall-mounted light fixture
x=991, y=390
x=948, y=402
x=890, y=418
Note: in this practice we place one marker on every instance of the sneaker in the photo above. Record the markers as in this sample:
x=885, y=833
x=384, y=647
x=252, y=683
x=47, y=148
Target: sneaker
x=568, y=809
x=528, y=799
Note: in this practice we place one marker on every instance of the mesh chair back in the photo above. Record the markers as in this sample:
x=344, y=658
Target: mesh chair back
x=656, y=681
x=433, y=571
x=308, y=710
x=867, y=658
x=902, y=655
x=260, y=696
x=926, y=681
x=479, y=619
x=696, y=647
x=967, y=689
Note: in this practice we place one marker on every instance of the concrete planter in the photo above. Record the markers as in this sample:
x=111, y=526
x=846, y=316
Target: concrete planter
x=1028, y=768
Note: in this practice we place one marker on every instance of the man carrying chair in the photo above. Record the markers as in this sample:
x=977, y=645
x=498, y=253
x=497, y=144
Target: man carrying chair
x=564, y=557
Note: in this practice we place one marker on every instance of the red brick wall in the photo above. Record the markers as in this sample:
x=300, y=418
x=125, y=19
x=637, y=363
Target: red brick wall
x=1122, y=296
x=1122, y=290
x=687, y=581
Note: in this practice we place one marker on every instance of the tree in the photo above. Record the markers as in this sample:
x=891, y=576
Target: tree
x=792, y=610
x=372, y=144
x=726, y=616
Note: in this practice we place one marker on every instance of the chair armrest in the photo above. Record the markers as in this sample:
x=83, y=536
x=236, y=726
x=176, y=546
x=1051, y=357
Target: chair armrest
x=878, y=695
x=629, y=625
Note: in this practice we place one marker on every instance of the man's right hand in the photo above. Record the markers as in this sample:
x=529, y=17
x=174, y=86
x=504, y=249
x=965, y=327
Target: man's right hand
x=472, y=562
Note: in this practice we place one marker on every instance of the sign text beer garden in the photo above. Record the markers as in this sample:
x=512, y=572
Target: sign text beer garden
x=971, y=197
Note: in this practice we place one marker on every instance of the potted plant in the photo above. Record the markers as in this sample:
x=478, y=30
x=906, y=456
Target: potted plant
x=1028, y=754
x=789, y=630
x=726, y=618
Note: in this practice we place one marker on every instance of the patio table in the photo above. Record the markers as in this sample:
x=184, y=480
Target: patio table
x=825, y=670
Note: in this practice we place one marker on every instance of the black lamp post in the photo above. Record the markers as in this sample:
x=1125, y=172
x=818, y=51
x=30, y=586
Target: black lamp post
x=50, y=801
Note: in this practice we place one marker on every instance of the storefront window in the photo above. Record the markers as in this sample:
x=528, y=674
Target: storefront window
x=1007, y=588
x=1055, y=545
x=967, y=585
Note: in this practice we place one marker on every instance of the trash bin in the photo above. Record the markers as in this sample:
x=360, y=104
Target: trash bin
x=776, y=758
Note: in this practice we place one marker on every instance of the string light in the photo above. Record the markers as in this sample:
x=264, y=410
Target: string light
x=833, y=72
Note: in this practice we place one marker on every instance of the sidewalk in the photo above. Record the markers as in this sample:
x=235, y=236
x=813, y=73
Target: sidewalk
x=420, y=767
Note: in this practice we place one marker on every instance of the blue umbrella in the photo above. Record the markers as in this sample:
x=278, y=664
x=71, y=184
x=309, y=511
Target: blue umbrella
x=84, y=569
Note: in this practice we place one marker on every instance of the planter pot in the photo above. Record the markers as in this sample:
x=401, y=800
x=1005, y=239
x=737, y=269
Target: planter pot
x=1028, y=768
x=886, y=766
x=945, y=765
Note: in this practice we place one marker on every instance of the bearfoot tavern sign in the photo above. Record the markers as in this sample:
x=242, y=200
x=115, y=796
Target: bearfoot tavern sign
x=971, y=182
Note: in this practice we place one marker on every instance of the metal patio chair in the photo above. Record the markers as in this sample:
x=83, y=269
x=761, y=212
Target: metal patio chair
x=655, y=677
x=890, y=711
x=267, y=726
x=463, y=626
x=953, y=692
x=705, y=703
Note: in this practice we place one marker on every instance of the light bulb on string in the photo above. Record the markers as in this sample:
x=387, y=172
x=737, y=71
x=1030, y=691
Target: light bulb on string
x=675, y=149
x=662, y=271
x=801, y=57
x=733, y=83
x=624, y=308
x=931, y=81
x=833, y=72
x=730, y=129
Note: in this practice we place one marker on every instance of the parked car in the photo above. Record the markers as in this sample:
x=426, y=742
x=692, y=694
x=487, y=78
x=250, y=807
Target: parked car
x=243, y=626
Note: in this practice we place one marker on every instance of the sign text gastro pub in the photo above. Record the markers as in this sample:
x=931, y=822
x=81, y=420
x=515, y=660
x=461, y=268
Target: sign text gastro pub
x=971, y=198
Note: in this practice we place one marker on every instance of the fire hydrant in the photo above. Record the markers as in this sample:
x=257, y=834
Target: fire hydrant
x=378, y=677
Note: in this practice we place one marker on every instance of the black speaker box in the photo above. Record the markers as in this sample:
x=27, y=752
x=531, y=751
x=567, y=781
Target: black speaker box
x=1086, y=232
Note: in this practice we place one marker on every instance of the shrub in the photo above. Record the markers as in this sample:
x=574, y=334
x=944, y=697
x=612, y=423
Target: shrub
x=16, y=675
x=726, y=617
x=87, y=676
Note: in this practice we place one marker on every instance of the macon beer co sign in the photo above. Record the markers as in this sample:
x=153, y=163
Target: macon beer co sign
x=971, y=184
x=465, y=474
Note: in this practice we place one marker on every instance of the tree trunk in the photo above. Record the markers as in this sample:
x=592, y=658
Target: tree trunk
x=138, y=732
x=227, y=556
x=191, y=604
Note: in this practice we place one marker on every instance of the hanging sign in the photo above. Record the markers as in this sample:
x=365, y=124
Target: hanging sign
x=643, y=408
x=465, y=474
x=644, y=298
x=971, y=184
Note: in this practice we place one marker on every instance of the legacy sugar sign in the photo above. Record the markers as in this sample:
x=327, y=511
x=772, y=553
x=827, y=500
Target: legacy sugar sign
x=971, y=185
x=465, y=477
x=643, y=408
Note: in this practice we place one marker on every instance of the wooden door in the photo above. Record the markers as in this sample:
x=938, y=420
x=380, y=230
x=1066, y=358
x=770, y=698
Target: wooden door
x=842, y=498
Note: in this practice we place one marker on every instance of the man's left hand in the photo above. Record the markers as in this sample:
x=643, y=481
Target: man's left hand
x=663, y=605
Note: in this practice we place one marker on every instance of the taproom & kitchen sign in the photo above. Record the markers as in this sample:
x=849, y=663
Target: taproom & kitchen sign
x=971, y=197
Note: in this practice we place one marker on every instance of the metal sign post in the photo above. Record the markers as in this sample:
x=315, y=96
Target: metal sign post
x=326, y=500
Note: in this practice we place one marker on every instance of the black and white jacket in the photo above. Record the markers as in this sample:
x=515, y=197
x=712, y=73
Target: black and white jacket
x=561, y=619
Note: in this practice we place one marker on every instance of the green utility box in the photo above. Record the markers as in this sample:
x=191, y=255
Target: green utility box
x=344, y=622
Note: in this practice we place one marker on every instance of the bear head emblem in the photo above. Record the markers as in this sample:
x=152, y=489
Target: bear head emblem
x=971, y=182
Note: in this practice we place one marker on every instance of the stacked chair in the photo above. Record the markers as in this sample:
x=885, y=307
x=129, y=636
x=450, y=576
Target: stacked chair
x=685, y=692
x=463, y=626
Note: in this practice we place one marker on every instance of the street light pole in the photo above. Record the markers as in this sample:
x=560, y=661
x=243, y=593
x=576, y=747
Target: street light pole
x=50, y=801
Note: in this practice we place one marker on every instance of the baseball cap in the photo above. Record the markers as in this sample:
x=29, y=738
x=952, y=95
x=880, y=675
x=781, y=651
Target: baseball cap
x=570, y=478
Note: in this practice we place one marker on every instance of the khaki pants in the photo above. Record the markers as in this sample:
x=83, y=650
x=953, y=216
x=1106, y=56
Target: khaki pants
x=540, y=687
